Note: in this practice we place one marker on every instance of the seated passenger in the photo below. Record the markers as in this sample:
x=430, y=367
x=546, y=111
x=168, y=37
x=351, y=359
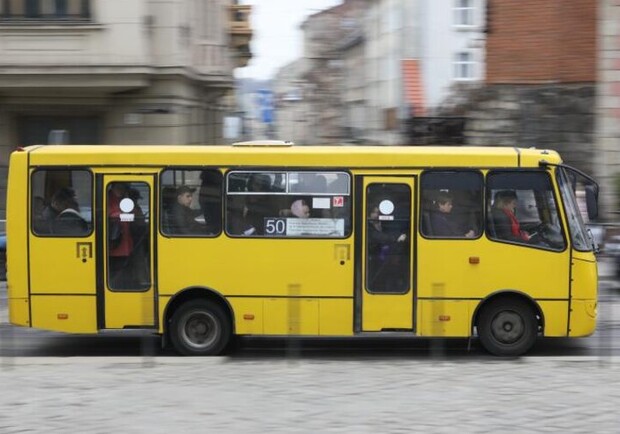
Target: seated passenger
x=504, y=218
x=300, y=208
x=210, y=200
x=444, y=223
x=68, y=221
x=256, y=207
x=183, y=217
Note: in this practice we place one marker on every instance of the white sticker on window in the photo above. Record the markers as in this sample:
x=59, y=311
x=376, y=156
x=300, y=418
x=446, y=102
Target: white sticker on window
x=386, y=207
x=317, y=227
x=321, y=203
x=127, y=205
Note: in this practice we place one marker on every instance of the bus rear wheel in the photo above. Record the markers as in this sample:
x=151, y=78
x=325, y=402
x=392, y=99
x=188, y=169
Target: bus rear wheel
x=200, y=328
x=507, y=327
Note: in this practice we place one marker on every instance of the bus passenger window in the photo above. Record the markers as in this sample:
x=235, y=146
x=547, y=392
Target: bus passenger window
x=521, y=208
x=288, y=204
x=61, y=203
x=191, y=203
x=451, y=204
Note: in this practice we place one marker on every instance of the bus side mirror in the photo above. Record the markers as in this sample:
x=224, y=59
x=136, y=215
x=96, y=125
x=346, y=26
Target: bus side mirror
x=592, y=201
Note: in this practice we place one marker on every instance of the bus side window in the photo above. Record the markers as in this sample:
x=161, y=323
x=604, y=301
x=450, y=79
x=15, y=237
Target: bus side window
x=61, y=203
x=191, y=202
x=451, y=204
x=272, y=201
x=521, y=208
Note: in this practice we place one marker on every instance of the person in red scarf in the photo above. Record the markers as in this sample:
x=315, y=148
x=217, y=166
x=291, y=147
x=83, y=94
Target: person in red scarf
x=506, y=224
x=120, y=249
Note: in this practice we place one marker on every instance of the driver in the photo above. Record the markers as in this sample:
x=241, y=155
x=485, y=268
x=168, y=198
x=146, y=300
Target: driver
x=506, y=224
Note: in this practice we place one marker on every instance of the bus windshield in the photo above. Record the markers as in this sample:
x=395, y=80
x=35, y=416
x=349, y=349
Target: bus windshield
x=578, y=232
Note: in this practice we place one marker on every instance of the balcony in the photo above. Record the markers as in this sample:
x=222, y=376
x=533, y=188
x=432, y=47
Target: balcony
x=240, y=33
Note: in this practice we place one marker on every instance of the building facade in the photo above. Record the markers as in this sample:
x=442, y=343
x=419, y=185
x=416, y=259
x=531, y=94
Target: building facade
x=541, y=77
x=113, y=71
x=373, y=64
x=607, y=126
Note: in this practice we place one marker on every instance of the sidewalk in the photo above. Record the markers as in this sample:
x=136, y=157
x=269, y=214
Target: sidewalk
x=164, y=395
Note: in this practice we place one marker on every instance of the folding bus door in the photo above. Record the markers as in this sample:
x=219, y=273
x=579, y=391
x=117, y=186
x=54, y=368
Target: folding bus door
x=126, y=289
x=386, y=263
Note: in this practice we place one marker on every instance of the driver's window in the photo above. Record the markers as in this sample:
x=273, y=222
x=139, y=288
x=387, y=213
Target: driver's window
x=521, y=208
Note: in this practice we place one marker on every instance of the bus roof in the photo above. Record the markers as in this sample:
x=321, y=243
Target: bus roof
x=293, y=156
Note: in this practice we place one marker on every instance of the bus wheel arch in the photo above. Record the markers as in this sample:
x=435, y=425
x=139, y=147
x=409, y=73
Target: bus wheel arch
x=199, y=321
x=508, y=322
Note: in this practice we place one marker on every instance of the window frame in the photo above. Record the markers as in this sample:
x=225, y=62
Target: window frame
x=482, y=180
x=464, y=65
x=410, y=236
x=464, y=11
x=558, y=206
x=160, y=201
x=286, y=171
x=33, y=12
x=91, y=223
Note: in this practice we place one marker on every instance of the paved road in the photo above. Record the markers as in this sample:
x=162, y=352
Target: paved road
x=24, y=342
x=364, y=387
x=165, y=395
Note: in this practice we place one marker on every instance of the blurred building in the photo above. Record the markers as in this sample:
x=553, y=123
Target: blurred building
x=373, y=64
x=541, y=69
x=417, y=51
x=291, y=93
x=607, y=124
x=113, y=71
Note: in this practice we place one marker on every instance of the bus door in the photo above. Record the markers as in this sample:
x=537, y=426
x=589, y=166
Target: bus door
x=125, y=283
x=387, y=294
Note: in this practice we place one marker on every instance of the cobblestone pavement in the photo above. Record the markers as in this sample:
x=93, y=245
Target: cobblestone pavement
x=308, y=395
x=166, y=395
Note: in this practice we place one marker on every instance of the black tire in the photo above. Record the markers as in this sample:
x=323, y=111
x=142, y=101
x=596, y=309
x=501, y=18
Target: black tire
x=507, y=327
x=200, y=328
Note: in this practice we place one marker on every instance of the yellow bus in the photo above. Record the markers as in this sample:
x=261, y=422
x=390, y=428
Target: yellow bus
x=204, y=243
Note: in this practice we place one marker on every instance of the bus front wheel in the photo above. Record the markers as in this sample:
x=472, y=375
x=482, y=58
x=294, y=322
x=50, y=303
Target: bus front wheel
x=200, y=328
x=507, y=327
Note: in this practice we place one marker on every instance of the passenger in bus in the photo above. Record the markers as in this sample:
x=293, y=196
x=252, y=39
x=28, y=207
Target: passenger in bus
x=386, y=272
x=183, y=216
x=210, y=200
x=444, y=223
x=256, y=207
x=68, y=221
x=505, y=221
x=51, y=211
x=140, y=237
x=40, y=224
x=120, y=241
x=299, y=208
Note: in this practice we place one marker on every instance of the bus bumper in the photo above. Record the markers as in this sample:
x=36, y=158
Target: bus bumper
x=582, y=318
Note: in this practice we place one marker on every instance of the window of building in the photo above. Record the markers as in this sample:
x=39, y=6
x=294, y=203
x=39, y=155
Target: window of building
x=57, y=10
x=464, y=66
x=191, y=202
x=464, y=13
x=61, y=204
x=521, y=208
x=451, y=204
x=288, y=204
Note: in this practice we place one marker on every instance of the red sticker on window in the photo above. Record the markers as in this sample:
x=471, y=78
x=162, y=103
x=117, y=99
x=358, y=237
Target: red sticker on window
x=338, y=201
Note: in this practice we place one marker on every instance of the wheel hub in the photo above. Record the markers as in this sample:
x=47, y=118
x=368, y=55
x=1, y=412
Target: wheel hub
x=508, y=327
x=201, y=330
